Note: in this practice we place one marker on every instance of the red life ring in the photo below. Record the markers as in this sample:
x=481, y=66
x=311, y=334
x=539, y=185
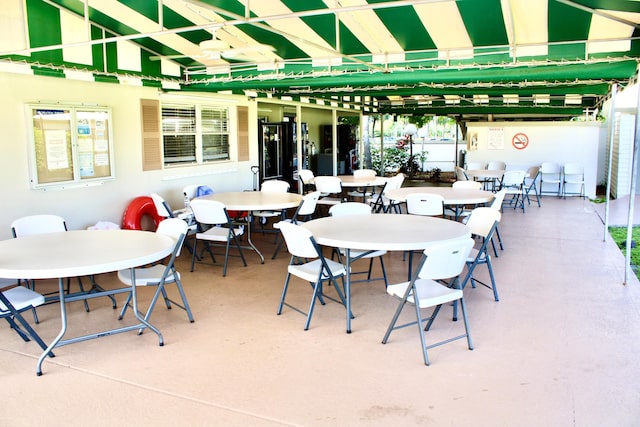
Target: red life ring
x=139, y=207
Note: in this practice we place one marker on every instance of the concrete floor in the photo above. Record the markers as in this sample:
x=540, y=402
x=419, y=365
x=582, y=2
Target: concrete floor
x=560, y=348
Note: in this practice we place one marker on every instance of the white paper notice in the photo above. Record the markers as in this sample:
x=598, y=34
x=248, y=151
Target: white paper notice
x=496, y=139
x=56, y=144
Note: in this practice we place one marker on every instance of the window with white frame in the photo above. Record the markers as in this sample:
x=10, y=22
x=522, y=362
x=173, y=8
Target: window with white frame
x=194, y=134
x=71, y=145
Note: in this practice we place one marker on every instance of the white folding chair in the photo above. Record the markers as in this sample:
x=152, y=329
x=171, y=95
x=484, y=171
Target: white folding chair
x=13, y=301
x=185, y=214
x=362, y=192
x=495, y=166
x=550, y=179
x=330, y=188
x=160, y=275
x=476, y=165
x=306, y=209
x=437, y=283
x=513, y=184
x=306, y=177
x=40, y=224
x=165, y=211
x=427, y=204
x=482, y=223
x=215, y=229
x=470, y=185
x=271, y=186
x=496, y=204
x=308, y=263
x=357, y=208
x=384, y=203
x=530, y=185
x=459, y=212
x=573, y=178
x=461, y=174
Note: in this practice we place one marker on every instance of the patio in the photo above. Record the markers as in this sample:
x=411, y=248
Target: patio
x=560, y=348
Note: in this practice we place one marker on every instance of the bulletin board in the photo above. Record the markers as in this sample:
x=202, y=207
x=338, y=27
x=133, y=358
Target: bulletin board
x=71, y=145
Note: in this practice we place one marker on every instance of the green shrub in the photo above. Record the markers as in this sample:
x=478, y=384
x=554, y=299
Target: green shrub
x=396, y=159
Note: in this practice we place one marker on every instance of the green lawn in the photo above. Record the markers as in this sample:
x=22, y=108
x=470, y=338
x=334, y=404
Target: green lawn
x=619, y=235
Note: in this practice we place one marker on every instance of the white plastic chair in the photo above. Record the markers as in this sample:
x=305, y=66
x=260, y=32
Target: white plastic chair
x=427, y=204
x=362, y=192
x=306, y=209
x=550, y=176
x=305, y=176
x=308, y=263
x=15, y=300
x=357, y=208
x=530, y=184
x=271, y=186
x=513, y=184
x=496, y=204
x=459, y=212
x=573, y=177
x=160, y=275
x=482, y=223
x=476, y=165
x=440, y=262
x=40, y=224
x=384, y=203
x=496, y=166
x=184, y=214
x=330, y=188
x=220, y=231
x=164, y=210
x=470, y=185
x=461, y=174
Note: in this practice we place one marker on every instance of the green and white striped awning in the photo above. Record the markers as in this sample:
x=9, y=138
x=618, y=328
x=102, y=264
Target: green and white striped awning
x=520, y=57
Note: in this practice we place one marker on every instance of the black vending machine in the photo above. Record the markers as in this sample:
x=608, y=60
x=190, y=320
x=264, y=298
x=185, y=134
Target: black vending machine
x=278, y=152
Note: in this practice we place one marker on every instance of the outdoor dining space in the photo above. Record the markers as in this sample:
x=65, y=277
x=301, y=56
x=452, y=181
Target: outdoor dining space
x=563, y=328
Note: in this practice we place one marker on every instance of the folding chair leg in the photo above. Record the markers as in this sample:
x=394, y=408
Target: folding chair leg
x=284, y=293
x=167, y=301
x=319, y=292
x=193, y=254
x=499, y=239
x=394, y=319
x=312, y=305
x=493, y=281
x=125, y=306
x=278, y=248
x=422, y=337
x=384, y=273
x=433, y=317
x=185, y=302
x=30, y=333
x=466, y=323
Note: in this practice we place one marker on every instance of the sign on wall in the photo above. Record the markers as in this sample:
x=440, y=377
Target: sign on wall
x=496, y=139
x=520, y=141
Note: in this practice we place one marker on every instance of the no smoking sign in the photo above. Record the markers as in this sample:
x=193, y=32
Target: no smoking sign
x=520, y=141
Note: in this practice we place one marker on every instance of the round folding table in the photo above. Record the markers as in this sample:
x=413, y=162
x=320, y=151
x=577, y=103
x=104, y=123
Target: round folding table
x=382, y=232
